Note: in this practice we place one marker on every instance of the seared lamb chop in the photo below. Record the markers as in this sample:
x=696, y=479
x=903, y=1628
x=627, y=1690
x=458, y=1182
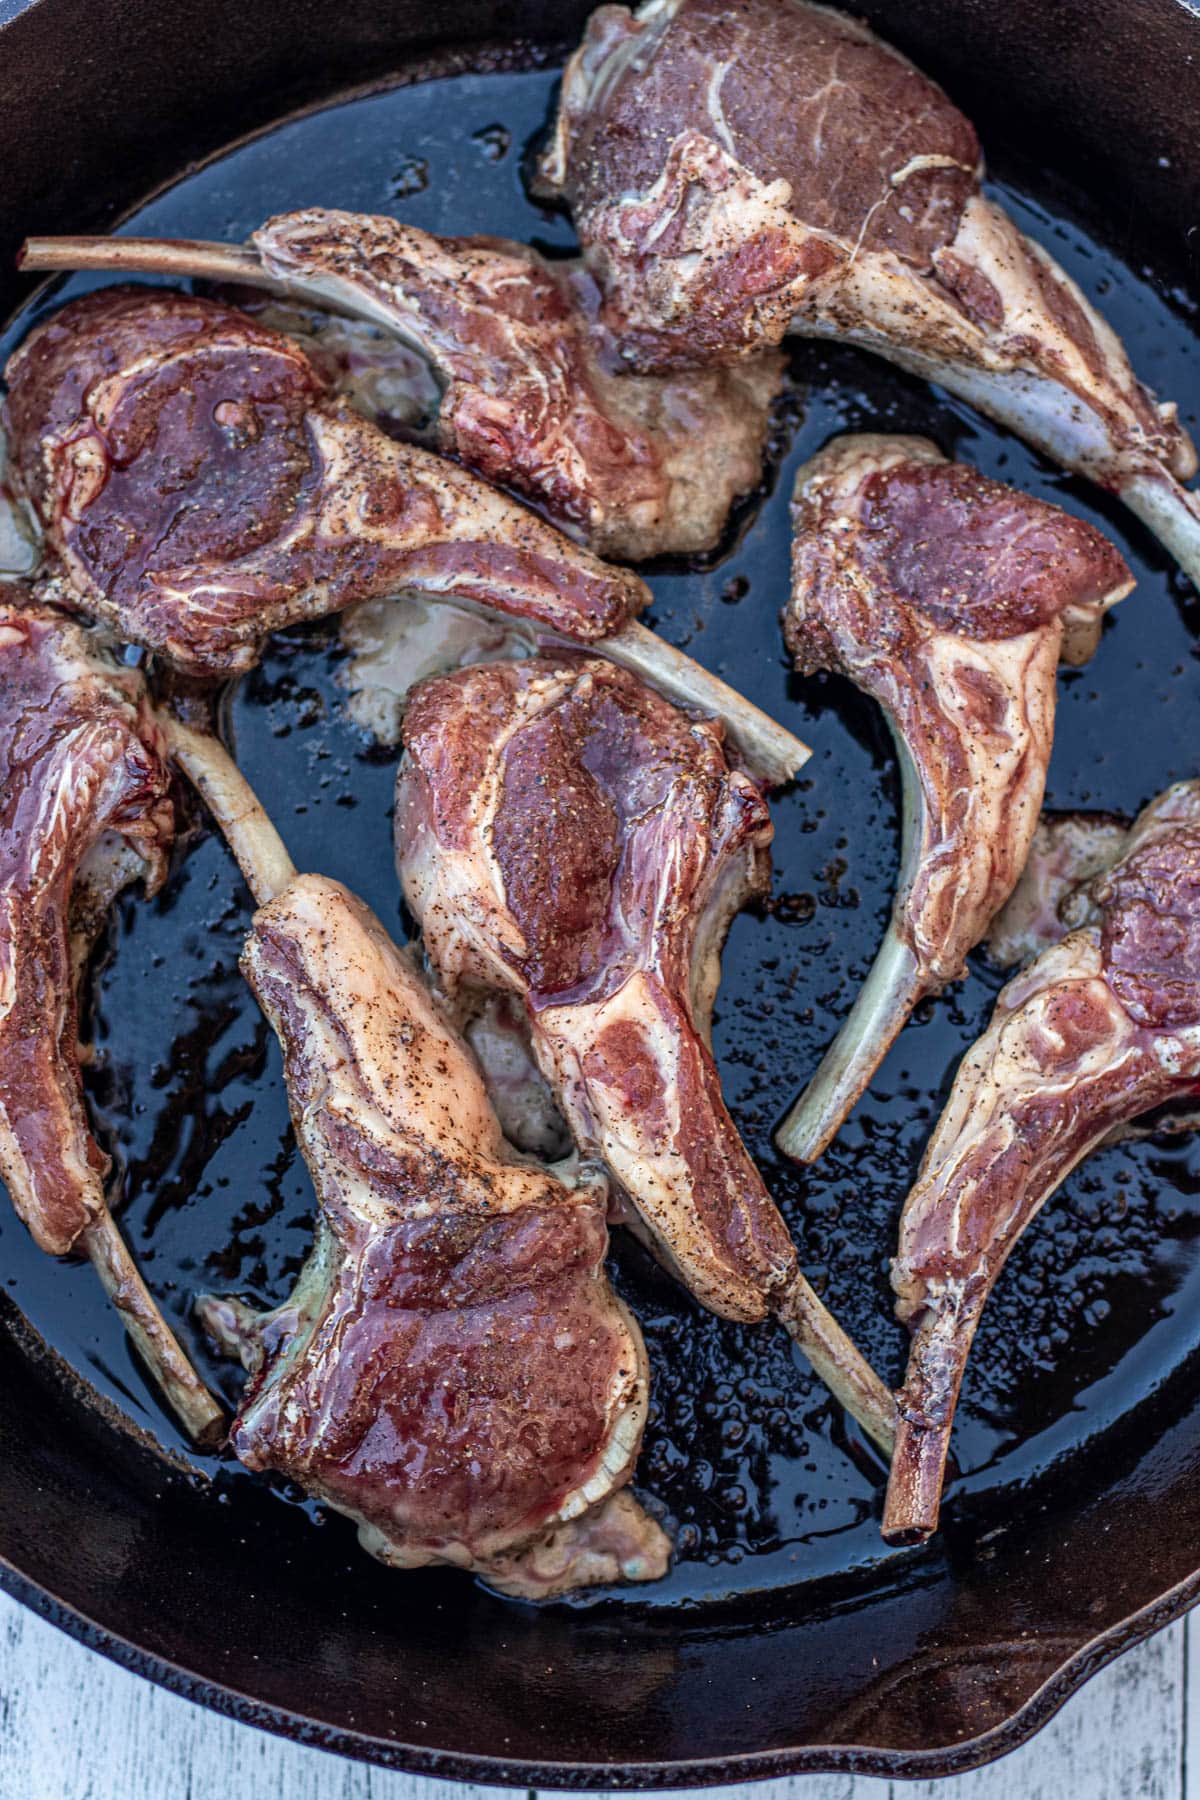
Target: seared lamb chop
x=736, y=173
x=200, y=488
x=1069, y=850
x=949, y=598
x=635, y=465
x=565, y=834
x=1101, y=1028
x=452, y=1369
x=85, y=808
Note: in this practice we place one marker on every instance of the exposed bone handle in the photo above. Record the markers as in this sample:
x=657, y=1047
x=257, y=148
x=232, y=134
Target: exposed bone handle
x=868, y=1031
x=258, y=847
x=770, y=752
x=914, y=1493
x=927, y=1401
x=1172, y=513
x=184, y=258
x=190, y=1400
x=840, y=1364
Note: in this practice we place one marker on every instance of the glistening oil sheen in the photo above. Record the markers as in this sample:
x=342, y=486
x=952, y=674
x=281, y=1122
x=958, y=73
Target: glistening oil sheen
x=1092, y=1327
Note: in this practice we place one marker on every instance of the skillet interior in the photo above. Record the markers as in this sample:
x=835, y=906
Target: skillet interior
x=783, y=1602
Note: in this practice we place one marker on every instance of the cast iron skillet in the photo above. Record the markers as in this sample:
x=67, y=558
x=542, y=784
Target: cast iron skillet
x=786, y=1639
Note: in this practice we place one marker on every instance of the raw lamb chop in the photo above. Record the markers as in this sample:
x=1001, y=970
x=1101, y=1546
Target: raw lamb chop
x=85, y=808
x=1101, y=1028
x=634, y=465
x=950, y=599
x=200, y=489
x=452, y=1369
x=737, y=173
x=566, y=835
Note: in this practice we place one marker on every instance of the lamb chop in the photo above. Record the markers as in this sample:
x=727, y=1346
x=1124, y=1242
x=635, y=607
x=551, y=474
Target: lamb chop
x=567, y=836
x=737, y=173
x=200, y=488
x=950, y=599
x=452, y=1369
x=85, y=808
x=1099, y=1029
x=634, y=465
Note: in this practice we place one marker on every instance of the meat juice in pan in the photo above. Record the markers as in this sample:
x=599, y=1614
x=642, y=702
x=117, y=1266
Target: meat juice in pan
x=1095, y=1320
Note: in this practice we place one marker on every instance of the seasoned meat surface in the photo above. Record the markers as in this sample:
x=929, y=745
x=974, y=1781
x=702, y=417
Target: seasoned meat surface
x=739, y=172
x=719, y=160
x=453, y=1369
x=85, y=809
x=200, y=489
x=633, y=465
x=560, y=829
x=1100, y=1028
x=84, y=791
x=566, y=835
x=949, y=598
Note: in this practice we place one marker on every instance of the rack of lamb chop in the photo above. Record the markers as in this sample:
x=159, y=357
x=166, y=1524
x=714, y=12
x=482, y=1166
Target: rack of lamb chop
x=200, y=488
x=566, y=835
x=532, y=394
x=85, y=808
x=950, y=599
x=1101, y=1028
x=452, y=1369
x=738, y=173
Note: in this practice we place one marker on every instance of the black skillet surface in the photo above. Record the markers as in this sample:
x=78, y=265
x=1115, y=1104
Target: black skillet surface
x=786, y=1636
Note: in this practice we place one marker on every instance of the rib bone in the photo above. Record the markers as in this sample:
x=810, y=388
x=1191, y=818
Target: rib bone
x=85, y=808
x=566, y=836
x=1100, y=1028
x=452, y=1369
x=200, y=489
x=738, y=173
x=950, y=599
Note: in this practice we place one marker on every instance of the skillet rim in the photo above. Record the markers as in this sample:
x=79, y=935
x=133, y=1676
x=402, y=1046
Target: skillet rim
x=1090, y=1656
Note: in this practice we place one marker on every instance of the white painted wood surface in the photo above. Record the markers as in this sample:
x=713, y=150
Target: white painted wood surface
x=73, y=1726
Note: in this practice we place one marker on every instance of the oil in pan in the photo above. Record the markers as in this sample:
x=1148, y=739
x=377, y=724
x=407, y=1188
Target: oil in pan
x=744, y=1453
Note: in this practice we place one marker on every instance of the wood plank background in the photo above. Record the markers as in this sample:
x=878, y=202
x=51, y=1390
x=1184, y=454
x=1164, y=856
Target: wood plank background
x=73, y=1726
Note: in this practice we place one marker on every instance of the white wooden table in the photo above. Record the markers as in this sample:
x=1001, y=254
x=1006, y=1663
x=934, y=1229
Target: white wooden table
x=75, y=1727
